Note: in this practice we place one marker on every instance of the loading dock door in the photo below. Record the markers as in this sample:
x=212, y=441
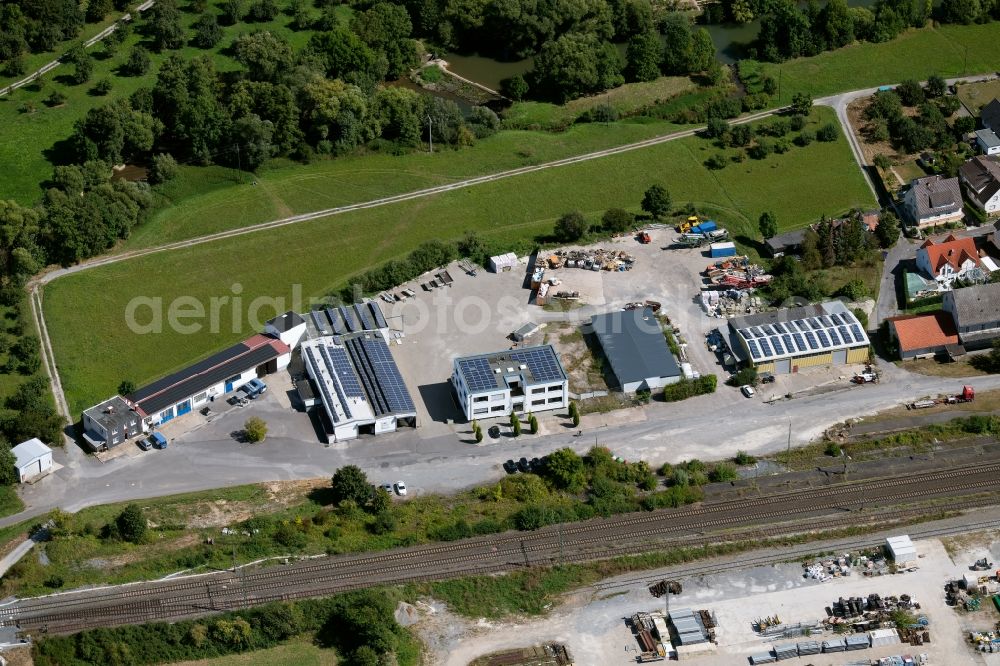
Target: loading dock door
x=840, y=356
x=184, y=407
x=783, y=366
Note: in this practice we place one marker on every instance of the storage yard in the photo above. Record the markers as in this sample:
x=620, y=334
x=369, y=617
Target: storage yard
x=599, y=624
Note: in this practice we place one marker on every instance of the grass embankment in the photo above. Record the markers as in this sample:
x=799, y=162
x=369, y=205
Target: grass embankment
x=913, y=441
x=29, y=140
x=296, y=518
x=947, y=50
x=300, y=651
x=321, y=255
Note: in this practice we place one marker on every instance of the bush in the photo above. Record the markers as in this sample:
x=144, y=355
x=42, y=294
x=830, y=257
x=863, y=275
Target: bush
x=533, y=424
x=102, y=87
x=349, y=483
x=255, y=429
x=617, y=220
x=832, y=449
x=743, y=458
x=743, y=377
x=827, y=133
x=162, y=167
x=687, y=388
x=570, y=227
x=131, y=524
x=55, y=98
x=805, y=137
x=716, y=162
x=723, y=471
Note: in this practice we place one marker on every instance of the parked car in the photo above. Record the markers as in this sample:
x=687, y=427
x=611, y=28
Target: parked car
x=523, y=465
x=387, y=487
x=146, y=443
x=401, y=488
x=158, y=440
x=510, y=467
x=747, y=390
x=766, y=378
x=255, y=387
x=535, y=465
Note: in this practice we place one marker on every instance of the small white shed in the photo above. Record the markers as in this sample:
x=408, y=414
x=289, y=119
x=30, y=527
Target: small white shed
x=503, y=262
x=33, y=459
x=902, y=550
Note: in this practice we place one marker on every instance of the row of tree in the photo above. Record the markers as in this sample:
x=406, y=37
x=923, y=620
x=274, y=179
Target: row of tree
x=887, y=120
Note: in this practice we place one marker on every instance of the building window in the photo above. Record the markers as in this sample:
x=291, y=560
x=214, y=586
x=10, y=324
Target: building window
x=497, y=408
x=481, y=410
x=481, y=398
x=497, y=396
x=536, y=391
x=555, y=399
x=557, y=387
x=535, y=403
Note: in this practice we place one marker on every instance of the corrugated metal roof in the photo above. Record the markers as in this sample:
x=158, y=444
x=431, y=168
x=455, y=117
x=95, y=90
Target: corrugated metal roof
x=634, y=344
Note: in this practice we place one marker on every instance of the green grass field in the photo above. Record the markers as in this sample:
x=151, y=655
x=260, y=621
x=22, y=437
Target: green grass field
x=297, y=652
x=977, y=95
x=26, y=138
x=321, y=255
x=948, y=50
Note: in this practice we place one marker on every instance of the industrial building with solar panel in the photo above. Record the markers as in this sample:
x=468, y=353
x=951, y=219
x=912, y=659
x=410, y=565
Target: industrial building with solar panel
x=522, y=381
x=348, y=361
x=787, y=340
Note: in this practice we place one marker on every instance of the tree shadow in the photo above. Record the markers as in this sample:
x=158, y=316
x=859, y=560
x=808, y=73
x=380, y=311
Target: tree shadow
x=60, y=153
x=322, y=495
x=759, y=247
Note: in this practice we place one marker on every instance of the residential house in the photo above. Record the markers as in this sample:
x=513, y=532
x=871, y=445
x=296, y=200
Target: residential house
x=110, y=423
x=923, y=335
x=976, y=313
x=981, y=178
x=988, y=141
x=934, y=200
x=989, y=115
x=949, y=260
x=786, y=243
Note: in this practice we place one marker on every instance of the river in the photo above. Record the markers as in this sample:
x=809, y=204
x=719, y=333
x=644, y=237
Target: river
x=729, y=39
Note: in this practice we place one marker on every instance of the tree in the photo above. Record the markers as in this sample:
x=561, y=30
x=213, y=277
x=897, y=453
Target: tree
x=576, y=64
x=910, y=93
x=768, y=225
x=162, y=167
x=717, y=127
x=263, y=54
x=960, y=11
x=132, y=524
x=8, y=466
x=617, y=220
x=207, y=32
x=24, y=355
x=887, y=231
x=103, y=87
x=380, y=501
x=478, y=432
x=514, y=87
x=233, y=11
x=570, y=227
x=127, y=387
x=676, y=31
x=255, y=429
x=642, y=57
x=262, y=11
x=702, y=53
x=801, y=104
x=386, y=29
x=565, y=469
x=533, y=424
x=138, y=62
x=163, y=21
x=83, y=64
x=97, y=10
x=827, y=132
x=656, y=201
x=936, y=86
x=350, y=483
x=515, y=424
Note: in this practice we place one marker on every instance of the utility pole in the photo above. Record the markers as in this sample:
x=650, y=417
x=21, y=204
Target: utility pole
x=430, y=135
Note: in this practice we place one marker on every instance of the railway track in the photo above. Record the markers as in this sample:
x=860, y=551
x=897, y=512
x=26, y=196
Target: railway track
x=595, y=539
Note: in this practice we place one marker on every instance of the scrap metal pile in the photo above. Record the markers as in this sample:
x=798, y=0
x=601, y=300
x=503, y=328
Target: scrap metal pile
x=593, y=260
x=736, y=272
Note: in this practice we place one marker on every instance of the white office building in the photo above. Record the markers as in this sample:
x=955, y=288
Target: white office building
x=521, y=380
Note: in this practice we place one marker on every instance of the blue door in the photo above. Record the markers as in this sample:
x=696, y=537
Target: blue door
x=229, y=383
x=167, y=415
x=184, y=407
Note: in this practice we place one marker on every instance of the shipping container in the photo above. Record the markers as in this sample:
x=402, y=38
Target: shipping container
x=722, y=249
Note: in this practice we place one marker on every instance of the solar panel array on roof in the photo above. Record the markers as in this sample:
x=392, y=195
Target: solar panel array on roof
x=541, y=362
x=361, y=310
x=478, y=374
x=322, y=323
x=325, y=352
x=387, y=373
x=336, y=321
x=812, y=332
x=324, y=389
x=341, y=365
x=349, y=321
x=377, y=314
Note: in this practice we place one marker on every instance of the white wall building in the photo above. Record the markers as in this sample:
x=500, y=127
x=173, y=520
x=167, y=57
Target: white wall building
x=34, y=459
x=289, y=328
x=934, y=200
x=523, y=381
x=360, y=386
x=901, y=550
x=503, y=262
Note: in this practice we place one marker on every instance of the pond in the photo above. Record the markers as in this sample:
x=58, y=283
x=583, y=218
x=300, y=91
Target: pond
x=729, y=40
